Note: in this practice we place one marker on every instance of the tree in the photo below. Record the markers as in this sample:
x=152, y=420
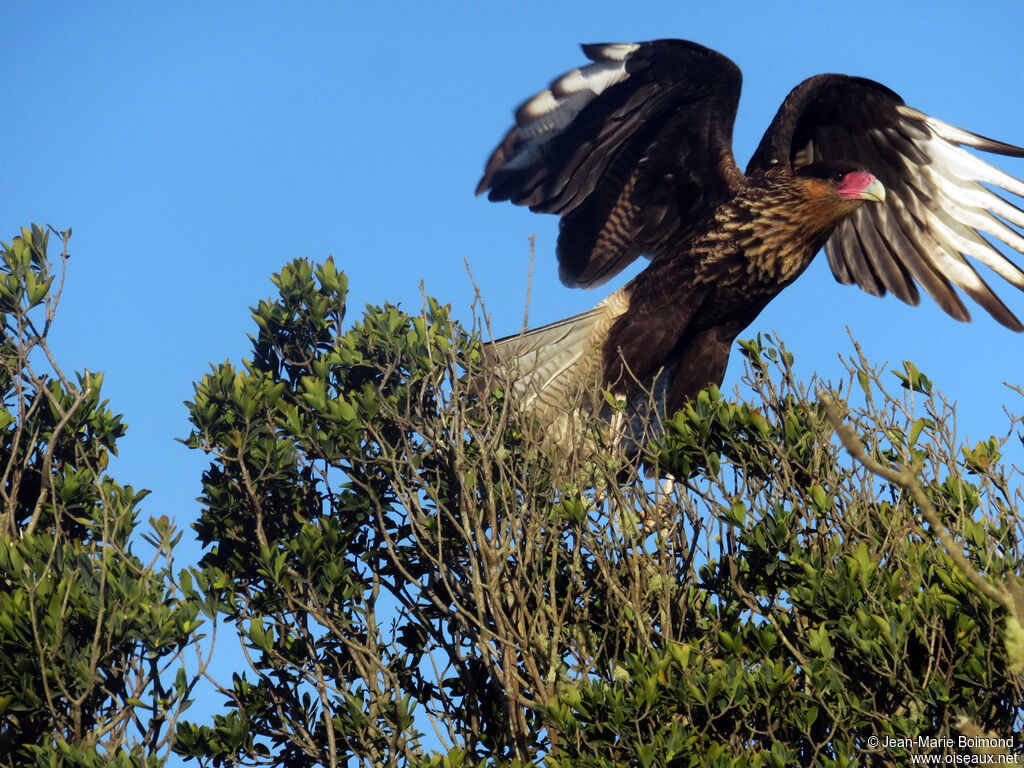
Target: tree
x=91, y=636
x=417, y=578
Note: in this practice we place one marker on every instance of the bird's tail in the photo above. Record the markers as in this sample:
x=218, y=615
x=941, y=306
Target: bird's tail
x=554, y=373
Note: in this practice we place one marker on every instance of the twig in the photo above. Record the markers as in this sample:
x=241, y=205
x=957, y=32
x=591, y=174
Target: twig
x=909, y=481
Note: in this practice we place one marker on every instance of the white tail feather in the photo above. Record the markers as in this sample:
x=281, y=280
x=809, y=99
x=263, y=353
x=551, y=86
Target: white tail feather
x=553, y=373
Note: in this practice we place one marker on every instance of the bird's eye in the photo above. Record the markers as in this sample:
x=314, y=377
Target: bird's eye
x=838, y=176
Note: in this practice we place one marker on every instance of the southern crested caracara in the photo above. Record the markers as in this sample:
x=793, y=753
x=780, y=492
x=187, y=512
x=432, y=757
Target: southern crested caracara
x=633, y=152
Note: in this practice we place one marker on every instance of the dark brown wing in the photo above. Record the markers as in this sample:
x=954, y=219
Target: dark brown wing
x=936, y=210
x=628, y=150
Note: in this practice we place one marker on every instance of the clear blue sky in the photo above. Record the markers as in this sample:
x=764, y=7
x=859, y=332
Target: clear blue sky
x=197, y=147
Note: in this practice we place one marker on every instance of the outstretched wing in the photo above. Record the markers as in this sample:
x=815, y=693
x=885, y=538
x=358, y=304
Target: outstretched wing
x=630, y=150
x=937, y=210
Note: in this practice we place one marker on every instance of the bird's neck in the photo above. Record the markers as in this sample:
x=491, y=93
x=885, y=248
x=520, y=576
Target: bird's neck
x=775, y=226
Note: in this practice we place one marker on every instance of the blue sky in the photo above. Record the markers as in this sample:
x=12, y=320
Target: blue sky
x=197, y=147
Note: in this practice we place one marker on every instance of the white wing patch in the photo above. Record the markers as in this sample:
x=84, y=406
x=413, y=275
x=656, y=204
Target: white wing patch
x=958, y=176
x=947, y=201
x=547, y=114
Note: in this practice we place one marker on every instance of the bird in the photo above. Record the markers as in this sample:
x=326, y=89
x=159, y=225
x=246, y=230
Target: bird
x=633, y=152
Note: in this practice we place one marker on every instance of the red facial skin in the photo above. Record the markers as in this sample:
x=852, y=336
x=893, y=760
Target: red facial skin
x=860, y=185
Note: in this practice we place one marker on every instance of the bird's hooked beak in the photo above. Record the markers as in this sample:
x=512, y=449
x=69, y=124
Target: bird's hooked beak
x=861, y=185
x=875, y=191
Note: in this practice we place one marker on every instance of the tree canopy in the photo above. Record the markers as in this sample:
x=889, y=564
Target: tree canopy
x=416, y=578
x=93, y=637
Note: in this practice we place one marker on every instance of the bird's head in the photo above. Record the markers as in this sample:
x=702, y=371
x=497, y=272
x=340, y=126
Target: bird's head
x=844, y=180
x=816, y=197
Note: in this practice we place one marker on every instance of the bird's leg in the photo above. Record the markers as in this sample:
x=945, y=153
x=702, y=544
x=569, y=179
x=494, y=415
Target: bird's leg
x=616, y=431
x=668, y=485
x=653, y=521
x=662, y=508
x=617, y=428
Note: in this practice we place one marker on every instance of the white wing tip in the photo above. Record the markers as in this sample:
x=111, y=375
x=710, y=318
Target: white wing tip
x=958, y=135
x=609, y=51
x=537, y=106
x=546, y=114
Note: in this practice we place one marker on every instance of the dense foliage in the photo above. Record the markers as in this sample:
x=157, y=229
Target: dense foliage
x=417, y=578
x=91, y=636
x=407, y=564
